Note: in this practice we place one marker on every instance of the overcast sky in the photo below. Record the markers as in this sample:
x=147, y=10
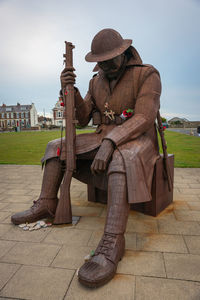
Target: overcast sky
x=32, y=35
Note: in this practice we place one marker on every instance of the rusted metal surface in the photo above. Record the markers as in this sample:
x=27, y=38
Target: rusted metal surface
x=120, y=162
x=63, y=211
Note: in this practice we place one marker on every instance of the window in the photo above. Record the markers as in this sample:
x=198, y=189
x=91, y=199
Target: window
x=12, y=115
x=22, y=115
x=17, y=115
x=8, y=122
x=59, y=114
x=7, y=115
x=26, y=114
x=2, y=115
x=8, y=109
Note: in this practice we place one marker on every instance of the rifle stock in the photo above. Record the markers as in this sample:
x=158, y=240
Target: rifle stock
x=165, y=155
x=63, y=212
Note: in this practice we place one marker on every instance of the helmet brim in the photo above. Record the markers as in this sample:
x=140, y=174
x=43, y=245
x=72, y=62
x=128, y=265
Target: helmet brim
x=90, y=57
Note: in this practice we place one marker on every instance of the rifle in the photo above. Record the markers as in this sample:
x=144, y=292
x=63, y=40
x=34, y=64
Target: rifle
x=63, y=212
x=165, y=155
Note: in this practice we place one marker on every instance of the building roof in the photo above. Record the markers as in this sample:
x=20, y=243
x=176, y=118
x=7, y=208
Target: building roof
x=15, y=108
x=178, y=119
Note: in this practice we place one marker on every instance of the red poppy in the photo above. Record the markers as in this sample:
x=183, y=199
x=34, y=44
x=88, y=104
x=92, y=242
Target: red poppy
x=58, y=151
x=125, y=113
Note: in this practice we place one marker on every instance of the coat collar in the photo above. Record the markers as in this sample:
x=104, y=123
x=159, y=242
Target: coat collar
x=134, y=60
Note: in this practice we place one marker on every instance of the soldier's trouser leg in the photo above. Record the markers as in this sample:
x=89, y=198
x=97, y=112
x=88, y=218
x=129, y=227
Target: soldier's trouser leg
x=102, y=266
x=45, y=206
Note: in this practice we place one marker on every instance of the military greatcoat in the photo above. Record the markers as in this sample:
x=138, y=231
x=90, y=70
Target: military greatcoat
x=135, y=140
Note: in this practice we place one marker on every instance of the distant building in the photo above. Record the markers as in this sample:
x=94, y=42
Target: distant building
x=178, y=120
x=58, y=112
x=22, y=116
x=183, y=123
x=44, y=121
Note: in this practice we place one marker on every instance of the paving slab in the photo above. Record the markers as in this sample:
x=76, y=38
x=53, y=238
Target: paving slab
x=162, y=256
x=70, y=257
x=161, y=243
x=189, y=215
x=14, y=233
x=17, y=207
x=38, y=283
x=7, y=271
x=190, y=191
x=4, y=228
x=86, y=211
x=15, y=201
x=69, y=236
x=194, y=205
x=166, y=289
x=35, y=254
x=5, y=246
x=182, y=266
x=91, y=223
x=178, y=227
x=3, y=215
x=193, y=244
x=142, y=263
x=145, y=226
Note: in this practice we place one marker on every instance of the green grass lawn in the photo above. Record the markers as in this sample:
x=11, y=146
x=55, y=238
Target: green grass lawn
x=27, y=148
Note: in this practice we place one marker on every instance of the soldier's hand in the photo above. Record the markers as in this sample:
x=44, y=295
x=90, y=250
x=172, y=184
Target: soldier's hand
x=102, y=157
x=67, y=76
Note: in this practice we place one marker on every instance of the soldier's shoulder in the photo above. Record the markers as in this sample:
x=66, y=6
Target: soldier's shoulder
x=146, y=70
x=149, y=68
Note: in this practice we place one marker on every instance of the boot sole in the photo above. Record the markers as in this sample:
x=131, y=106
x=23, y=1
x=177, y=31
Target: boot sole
x=97, y=284
x=15, y=222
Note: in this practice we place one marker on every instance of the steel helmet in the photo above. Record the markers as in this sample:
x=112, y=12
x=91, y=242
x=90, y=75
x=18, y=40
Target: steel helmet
x=107, y=44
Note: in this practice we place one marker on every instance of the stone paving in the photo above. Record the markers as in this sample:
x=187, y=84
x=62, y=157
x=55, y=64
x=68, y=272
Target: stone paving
x=162, y=258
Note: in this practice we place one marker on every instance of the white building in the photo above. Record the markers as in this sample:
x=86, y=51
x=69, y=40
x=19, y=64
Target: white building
x=22, y=116
x=58, y=112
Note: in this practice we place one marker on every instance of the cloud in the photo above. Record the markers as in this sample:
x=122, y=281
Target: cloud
x=33, y=34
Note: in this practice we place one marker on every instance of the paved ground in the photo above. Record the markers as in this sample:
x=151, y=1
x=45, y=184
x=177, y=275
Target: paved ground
x=162, y=259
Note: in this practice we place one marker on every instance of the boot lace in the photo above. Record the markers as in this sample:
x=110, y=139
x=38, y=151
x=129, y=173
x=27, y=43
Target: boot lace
x=106, y=244
x=36, y=204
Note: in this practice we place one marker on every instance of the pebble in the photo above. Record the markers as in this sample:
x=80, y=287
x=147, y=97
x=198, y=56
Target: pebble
x=49, y=224
x=22, y=225
x=25, y=228
x=41, y=223
x=31, y=228
x=35, y=225
x=31, y=225
x=87, y=257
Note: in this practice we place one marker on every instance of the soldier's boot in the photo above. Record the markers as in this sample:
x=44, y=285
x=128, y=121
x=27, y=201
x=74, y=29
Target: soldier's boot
x=46, y=204
x=103, y=265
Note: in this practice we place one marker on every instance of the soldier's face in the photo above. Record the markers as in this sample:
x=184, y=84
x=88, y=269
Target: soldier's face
x=112, y=66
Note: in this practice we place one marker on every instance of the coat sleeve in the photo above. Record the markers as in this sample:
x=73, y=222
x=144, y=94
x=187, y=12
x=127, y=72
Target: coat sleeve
x=84, y=107
x=146, y=108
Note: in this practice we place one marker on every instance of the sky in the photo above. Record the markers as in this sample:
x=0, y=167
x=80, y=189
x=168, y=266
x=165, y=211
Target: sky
x=32, y=35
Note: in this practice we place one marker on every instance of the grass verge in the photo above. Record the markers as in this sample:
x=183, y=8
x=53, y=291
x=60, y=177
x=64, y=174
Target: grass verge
x=27, y=148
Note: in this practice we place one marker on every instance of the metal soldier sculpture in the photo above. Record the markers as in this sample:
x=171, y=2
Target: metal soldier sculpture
x=123, y=99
